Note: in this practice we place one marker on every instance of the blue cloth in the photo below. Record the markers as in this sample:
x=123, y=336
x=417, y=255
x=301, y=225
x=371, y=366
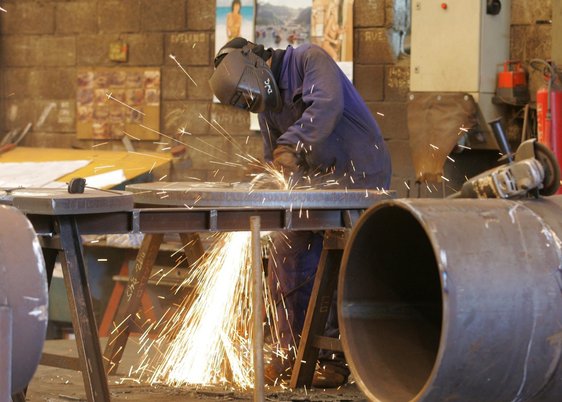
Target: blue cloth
x=324, y=113
x=291, y=267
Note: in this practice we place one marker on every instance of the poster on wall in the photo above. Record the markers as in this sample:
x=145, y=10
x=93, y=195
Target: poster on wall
x=280, y=23
x=331, y=28
x=111, y=103
x=233, y=18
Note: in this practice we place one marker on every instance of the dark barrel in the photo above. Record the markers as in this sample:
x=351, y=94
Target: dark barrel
x=455, y=300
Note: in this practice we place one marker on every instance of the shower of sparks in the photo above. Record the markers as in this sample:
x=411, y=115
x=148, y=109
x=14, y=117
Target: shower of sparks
x=130, y=135
x=210, y=335
x=463, y=146
x=182, y=69
x=151, y=156
x=175, y=140
x=103, y=167
x=444, y=178
x=433, y=146
x=100, y=144
x=3, y=10
x=208, y=339
x=111, y=97
x=451, y=159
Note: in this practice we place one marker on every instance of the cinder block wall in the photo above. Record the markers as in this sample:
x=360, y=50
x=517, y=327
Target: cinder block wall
x=43, y=42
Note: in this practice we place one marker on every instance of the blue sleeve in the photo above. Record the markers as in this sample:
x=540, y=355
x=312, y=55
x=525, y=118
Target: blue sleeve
x=322, y=94
x=269, y=136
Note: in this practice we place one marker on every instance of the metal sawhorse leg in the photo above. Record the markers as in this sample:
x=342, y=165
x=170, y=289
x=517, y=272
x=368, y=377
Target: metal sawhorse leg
x=69, y=246
x=325, y=283
x=131, y=301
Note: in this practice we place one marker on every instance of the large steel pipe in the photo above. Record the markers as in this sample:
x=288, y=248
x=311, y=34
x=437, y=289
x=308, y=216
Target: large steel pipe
x=23, y=300
x=455, y=300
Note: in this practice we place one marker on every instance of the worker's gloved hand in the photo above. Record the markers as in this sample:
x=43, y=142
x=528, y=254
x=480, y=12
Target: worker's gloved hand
x=286, y=157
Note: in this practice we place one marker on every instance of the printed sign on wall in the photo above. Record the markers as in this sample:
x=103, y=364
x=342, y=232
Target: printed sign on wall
x=111, y=103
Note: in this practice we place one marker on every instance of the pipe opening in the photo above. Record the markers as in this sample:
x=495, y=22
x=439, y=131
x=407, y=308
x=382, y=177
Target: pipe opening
x=391, y=304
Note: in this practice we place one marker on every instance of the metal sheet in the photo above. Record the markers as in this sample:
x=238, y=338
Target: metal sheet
x=61, y=202
x=205, y=195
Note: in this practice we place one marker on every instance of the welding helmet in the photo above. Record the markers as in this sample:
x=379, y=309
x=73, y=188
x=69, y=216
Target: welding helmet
x=243, y=79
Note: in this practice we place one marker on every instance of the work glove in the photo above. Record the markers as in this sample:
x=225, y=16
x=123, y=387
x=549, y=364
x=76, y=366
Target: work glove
x=285, y=157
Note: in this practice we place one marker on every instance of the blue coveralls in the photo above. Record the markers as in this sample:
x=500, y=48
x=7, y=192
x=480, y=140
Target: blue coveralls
x=323, y=112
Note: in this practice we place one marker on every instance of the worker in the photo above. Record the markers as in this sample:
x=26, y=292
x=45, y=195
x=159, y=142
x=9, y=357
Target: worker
x=314, y=124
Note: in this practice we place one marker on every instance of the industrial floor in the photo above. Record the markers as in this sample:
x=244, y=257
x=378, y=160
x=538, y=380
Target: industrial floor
x=58, y=385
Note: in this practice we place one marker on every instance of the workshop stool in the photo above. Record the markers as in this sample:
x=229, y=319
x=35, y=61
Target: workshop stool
x=312, y=339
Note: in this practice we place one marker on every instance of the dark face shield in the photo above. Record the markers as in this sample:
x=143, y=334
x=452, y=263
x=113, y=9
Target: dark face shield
x=242, y=79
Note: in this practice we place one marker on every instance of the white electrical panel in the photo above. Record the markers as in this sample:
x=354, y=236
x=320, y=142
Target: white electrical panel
x=456, y=46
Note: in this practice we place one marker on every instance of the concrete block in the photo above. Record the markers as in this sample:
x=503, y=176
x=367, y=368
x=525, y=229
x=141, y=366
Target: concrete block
x=235, y=121
x=401, y=157
x=374, y=46
x=28, y=18
x=55, y=116
x=199, y=88
x=18, y=83
x=200, y=15
x=517, y=42
x=392, y=119
x=174, y=84
x=57, y=84
x=209, y=152
x=539, y=42
x=19, y=51
x=169, y=15
x=19, y=112
x=145, y=49
x=252, y=144
x=369, y=81
x=397, y=82
x=94, y=50
x=369, y=13
x=531, y=41
x=194, y=85
x=524, y=12
x=42, y=139
x=37, y=83
x=189, y=116
x=190, y=48
x=46, y=115
x=119, y=16
x=76, y=17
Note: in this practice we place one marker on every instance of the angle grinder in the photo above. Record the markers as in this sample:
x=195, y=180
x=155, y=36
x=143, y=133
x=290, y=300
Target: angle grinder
x=531, y=170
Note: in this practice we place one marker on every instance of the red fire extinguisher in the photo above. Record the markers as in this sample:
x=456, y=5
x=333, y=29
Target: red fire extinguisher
x=549, y=112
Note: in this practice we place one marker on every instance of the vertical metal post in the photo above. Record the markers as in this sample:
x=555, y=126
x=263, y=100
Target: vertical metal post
x=5, y=353
x=257, y=302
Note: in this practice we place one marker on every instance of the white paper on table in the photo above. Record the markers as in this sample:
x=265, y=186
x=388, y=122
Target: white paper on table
x=36, y=174
x=107, y=179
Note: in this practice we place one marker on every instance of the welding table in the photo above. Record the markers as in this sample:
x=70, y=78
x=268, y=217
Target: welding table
x=60, y=218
